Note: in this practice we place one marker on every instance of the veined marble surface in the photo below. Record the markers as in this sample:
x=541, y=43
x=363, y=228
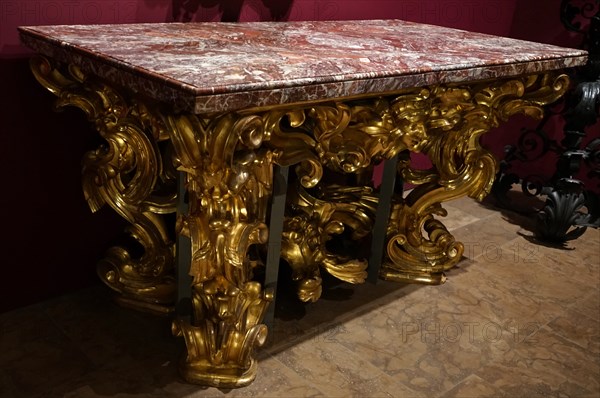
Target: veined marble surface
x=215, y=67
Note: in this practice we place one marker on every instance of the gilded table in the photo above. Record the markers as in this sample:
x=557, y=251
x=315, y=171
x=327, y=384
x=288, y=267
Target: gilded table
x=229, y=107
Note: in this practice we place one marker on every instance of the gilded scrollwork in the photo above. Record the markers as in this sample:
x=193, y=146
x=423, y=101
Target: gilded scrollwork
x=444, y=122
x=345, y=138
x=420, y=248
x=229, y=184
x=312, y=222
x=129, y=174
x=228, y=162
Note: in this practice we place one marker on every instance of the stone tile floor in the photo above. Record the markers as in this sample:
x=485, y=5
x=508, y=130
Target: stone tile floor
x=516, y=318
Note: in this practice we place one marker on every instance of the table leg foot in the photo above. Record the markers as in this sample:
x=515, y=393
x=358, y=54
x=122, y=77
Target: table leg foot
x=225, y=330
x=208, y=375
x=420, y=248
x=152, y=295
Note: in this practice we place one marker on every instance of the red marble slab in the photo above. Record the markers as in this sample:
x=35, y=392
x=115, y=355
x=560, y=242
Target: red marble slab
x=216, y=67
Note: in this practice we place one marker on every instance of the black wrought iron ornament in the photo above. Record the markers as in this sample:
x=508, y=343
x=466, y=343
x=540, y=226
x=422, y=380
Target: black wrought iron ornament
x=570, y=207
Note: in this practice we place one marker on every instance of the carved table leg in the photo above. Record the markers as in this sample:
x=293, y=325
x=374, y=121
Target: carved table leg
x=229, y=185
x=445, y=123
x=130, y=174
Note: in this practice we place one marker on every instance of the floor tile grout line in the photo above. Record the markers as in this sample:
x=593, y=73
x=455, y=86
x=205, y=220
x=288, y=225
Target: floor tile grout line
x=592, y=294
x=567, y=338
x=455, y=385
x=541, y=324
x=310, y=383
x=351, y=353
x=408, y=385
x=368, y=346
x=512, y=241
x=549, y=330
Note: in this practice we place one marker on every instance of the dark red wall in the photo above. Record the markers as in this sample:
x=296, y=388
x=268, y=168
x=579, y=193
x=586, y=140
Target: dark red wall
x=538, y=20
x=51, y=241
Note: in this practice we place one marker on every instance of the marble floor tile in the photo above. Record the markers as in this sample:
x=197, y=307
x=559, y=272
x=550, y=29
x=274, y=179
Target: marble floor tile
x=274, y=379
x=429, y=341
x=584, y=268
x=588, y=306
x=471, y=206
x=515, y=318
x=473, y=387
x=524, y=267
x=458, y=218
x=553, y=366
x=338, y=371
x=339, y=302
x=485, y=237
x=485, y=297
x=579, y=329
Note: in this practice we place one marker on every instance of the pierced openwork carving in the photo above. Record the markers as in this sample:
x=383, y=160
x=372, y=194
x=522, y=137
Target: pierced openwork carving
x=444, y=122
x=228, y=162
x=420, y=248
x=130, y=172
x=229, y=183
x=313, y=222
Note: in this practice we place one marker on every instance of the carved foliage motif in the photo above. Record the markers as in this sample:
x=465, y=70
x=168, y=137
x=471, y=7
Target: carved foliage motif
x=444, y=122
x=420, y=248
x=128, y=173
x=228, y=162
x=229, y=179
x=313, y=223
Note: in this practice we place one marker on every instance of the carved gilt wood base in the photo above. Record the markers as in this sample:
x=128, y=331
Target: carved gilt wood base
x=132, y=173
x=228, y=160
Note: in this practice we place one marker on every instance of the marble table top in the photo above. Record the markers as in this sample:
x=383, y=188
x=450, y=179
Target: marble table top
x=216, y=67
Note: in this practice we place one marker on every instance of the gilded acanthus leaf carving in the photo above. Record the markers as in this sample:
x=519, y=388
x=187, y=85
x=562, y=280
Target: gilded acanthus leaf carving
x=228, y=162
x=419, y=246
x=129, y=174
x=312, y=222
x=229, y=184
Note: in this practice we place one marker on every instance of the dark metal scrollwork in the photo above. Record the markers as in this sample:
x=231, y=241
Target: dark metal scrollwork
x=570, y=207
x=573, y=12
